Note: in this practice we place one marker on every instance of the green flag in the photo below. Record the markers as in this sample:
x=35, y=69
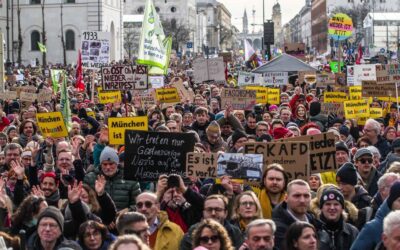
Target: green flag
x=157, y=70
x=55, y=78
x=42, y=48
x=64, y=101
x=153, y=48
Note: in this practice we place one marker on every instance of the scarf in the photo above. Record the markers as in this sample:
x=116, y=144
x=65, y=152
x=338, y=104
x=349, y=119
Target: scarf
x=266, y=205
x=175, y=217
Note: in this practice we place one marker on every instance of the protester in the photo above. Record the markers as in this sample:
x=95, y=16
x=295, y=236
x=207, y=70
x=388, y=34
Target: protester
x=211, y=235
x=259, y=235
x=301, y=235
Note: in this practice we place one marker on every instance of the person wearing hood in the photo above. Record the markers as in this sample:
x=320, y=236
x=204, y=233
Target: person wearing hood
x=238, y=139
x=214, y=141
x=333, y=231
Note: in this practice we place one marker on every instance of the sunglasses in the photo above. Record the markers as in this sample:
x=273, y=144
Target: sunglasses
x=363, y=161
x=147, y=204
x=205, y=239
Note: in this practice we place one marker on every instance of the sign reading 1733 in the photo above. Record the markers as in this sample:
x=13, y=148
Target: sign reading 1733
x=95, y=49
x=124, y=77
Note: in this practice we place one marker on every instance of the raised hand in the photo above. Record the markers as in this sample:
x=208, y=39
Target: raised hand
x=74, y=192
x=18, y=169
x=75, y=148
x=227, y=184
x=100, y=185
x=37, y=191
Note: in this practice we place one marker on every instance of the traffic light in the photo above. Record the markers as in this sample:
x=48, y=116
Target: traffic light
x=269, y=32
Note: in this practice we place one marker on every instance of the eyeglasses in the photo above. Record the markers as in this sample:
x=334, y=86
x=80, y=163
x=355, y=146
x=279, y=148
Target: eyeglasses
x=363, y=161
x=247, y=203
x=50, y=225
x=139, y=232
x=216, y=209
x=147, y=204
x=205, y=239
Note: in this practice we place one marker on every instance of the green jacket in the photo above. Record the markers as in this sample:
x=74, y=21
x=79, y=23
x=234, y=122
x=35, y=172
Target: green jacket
x=122, y=192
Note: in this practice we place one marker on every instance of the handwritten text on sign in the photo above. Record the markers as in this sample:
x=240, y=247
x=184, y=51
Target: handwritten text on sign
x=124, y=77
x=202, y=165
x=52, y=124
x=240, y=99
x=118, y=125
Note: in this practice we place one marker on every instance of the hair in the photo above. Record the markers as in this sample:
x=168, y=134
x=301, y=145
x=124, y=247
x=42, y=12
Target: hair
x=128, y=218
x=176, y=117
x=262, y=123
x=12, y=146
x=307, y=126
x=383, y=179
x=305, y=111
x=97, y=226
x=296, y=182
x=126, y=239
x=391, y=221
x=218, y=197
x=394, y=167
x=363, y=139
x=21, y=127
x=29, y=207
x=276, y=167
x=375, y=152
x=214, y=226
x=375, y=125
x=260, y=223
x=294, y=232
x=95, y=205
x=252, y=115
x=284, y=108
x=201, y=111
x=236, y=205
x=12, y=242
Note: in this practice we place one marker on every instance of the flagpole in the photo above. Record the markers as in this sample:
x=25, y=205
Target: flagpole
x=92, y=71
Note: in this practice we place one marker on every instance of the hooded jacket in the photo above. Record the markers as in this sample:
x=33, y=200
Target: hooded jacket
x=362, y=198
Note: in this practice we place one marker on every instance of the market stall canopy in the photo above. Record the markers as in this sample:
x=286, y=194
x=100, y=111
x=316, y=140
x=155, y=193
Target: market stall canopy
x=284, y=63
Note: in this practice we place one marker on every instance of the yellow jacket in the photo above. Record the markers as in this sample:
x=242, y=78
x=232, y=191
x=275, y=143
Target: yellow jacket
x=169, y=234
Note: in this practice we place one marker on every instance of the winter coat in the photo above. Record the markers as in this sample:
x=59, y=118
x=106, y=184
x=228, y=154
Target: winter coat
x=383, y=146
x=370, y=234
x=34, y=243
x=390, y=158
x=110, y=238
x=169, y=234
x=362, y=198
x=340, y=239
x=123, y=192
x=372, y=183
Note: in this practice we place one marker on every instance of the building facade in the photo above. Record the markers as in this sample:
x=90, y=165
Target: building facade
x=277, y=19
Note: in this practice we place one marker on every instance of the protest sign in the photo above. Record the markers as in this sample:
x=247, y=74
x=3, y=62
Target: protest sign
x=118, y=125
x=240, y=166
x=8, y=95
x=52, y=124
x=209, y=69
x=350, y=75
x=95, y=49
x=364, y=72
x=322, y=151
x=355, y=109
x=335, y=66
x=375, y=113
x=124, y=77
x=202, y=165
x=44, y=95
x=274, y=95
x=355, y=93
x=276, y=78
x=372, y=89
x=293, y=156
x=387, y=73
x=340, y=79
x=340, y=26
x=309, y=77
x=261, y=94
x=184, y=94
x=156, y=81
x=334, y=97
x=248, y=78
x=109, y=97
x=226, y=56
x=336, y=108
x=240, y=99
x=28, y=94
x=152, y=154
x=167, y=95
x=325, y=79
x=148, y=98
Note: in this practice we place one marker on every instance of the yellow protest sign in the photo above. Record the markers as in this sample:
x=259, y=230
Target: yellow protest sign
x=167, y=95
x=52, y=124
x=361, y=121
x=118, y=125
x=91, y=114
x=335, y=97
x=355, y=93
x=387, y=99
x=110, y=97
x=274, y=95
x=261, y=93
x=356, y=109
x=375, y=113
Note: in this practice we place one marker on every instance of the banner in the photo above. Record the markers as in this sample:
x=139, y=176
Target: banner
x=355, y=93
x=274, y=95
x=372, y=89
x=212, y=69
x=356, y=109
x=110, y=97
x=276, y=78
x=152, y=154
x=248, y=78
x=124, y=77
x=240, y=166
x=168, y=95
x=239, y=99
x=95, y=49
x=261, y=93
x=334, y=97
x=118, y=125
x=51, y=124
x=202, y=165
x=64, y=102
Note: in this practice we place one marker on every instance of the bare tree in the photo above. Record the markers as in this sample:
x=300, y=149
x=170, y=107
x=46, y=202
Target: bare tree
x=43, y=34
x=225, y=37
x=20, y=41
x=131, y=39
x=180, y=33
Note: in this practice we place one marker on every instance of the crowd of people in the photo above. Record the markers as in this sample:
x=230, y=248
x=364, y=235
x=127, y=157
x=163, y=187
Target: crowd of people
x=70, y=193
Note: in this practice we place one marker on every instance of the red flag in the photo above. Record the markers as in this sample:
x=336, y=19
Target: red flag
x=359, y=55
x=79, y=84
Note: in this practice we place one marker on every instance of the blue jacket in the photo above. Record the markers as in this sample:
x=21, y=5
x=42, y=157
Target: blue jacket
x=370, y=235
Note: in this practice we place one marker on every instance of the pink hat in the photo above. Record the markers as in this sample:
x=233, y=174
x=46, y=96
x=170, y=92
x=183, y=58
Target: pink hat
x=273, y=107
x=313, y=131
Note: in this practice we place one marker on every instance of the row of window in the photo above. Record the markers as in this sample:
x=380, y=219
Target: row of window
x=39, y=1
x=140, y=10
x=69, y=40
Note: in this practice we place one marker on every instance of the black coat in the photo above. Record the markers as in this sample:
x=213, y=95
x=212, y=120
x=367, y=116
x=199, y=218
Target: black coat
x=362, y=198
x=340, y=239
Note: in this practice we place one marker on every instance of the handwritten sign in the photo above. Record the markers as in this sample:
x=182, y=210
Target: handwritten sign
x=167, y=95
x=44, y=95
x=240, y=99
x=95, y=49
x=202, y=165
x=209, y=69
x=52, y=124
x=248, y=78
x=387, y=73
x=124, y=77
x=336, y=108
x=276, y=78
x=118, y=125
x=356, y=109
x=364, y=72
x=340, y=26
x=335, y=97
x=372, y=89
x=110, y=97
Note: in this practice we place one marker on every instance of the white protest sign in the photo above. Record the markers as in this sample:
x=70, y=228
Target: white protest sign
x=350, y=75
x=156, y=81
x=209, y=69
x=95, y=49
x=364, y=72
x=248, y=78
x=276, y=78
x=124, y=77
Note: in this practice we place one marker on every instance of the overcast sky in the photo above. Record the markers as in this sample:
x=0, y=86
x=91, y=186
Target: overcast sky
x=289, y=9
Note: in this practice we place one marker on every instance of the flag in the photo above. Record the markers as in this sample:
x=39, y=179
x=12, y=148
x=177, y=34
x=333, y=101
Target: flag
x=42, y=48
x=79, y=84
x=153, y=48
x=64, y=101
x=55, y=78
x=157, y=70
x=248, y=50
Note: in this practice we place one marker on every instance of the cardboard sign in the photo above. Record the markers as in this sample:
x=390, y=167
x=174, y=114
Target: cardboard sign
x=118, y=125
x=110, y=97
x=364, y=72
x=372, y=89
x=325, y=79
x=156, y=81
x=44, y=95
x=168, y=95
x=27, y=97
x=261, y=93
x=52, y=124
x=350, y=75
x=375, y=113
x=334, y=97
x=293, y=156
x=355, y=109
x=124, y=77
x=240, y=99
x=184, y=93
x=240, y=166
x=202, y=165
x=307, y=76
x=8, y=95
x=355, y=93
x=95, y=49
x=336, y=108
x=322, y=151
x=152, y=154
x=276, y=78
x=209, y=69
x=387, y=73
x=248, y=78
x=226, y=56
x=274, y=95
x=148, y=98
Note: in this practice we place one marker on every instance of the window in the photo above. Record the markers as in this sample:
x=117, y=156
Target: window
x=69, y=1
x=140, y=10
x=157, y=9
x=173, y=23
x=173, y=9
x=35, y=38
x=35, y=1
x=70, y=40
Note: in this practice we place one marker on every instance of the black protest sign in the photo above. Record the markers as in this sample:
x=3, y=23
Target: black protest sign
x=202, y=165
x=124, y=77
x=150, y=154
x=293, y=156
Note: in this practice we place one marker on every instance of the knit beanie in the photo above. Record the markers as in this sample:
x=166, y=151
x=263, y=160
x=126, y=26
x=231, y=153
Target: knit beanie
x=394, y=194
x=213, y=129
x=341, y=146
x=53, y=213
x=347, y=174
x=331, y=194
x=315, y=108
x=344, y=130
x=237, y=135
x=109, y=154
